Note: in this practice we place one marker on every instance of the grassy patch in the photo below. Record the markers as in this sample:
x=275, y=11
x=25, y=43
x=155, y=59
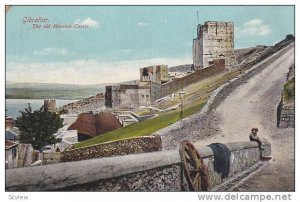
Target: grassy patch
x=144, y=112
x=144, y=128
x=289, y=90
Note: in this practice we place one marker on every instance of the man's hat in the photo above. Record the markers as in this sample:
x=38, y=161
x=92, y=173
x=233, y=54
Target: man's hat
x=254, y=129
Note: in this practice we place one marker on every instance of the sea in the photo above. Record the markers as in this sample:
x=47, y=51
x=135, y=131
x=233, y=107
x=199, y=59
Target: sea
x=13, y=106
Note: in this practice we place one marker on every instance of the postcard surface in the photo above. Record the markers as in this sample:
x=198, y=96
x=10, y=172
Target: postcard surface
x=150, y=98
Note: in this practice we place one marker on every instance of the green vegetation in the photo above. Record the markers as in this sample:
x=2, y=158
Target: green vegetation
x=37, y=127
x=144, y=128
x=289, y=90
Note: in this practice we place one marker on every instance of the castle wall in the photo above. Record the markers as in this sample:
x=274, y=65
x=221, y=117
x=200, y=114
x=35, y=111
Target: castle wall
x=127, y=96
x=144, y=97
x=92, y=103
x=159, y=91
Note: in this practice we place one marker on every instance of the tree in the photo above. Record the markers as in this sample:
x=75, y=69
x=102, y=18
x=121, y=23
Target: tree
x=37, y=127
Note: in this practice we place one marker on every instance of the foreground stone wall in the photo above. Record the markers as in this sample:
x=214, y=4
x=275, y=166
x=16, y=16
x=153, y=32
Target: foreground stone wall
x=155, y=171
x=121, y=147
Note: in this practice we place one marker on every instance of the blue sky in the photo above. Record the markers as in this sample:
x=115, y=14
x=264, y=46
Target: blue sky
x=121, y=39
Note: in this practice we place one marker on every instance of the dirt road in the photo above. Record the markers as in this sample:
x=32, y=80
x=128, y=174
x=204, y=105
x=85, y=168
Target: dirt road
x=254, y=104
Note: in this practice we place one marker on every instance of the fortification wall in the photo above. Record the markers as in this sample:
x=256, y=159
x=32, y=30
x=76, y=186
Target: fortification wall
x=155, y=171
x=159, y=91
x=93, y=103
x=121, y=147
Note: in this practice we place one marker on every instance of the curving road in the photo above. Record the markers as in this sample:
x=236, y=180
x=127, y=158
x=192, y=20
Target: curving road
x=254, y=104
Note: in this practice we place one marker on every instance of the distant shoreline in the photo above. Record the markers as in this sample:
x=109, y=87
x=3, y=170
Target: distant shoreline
x=42, y=98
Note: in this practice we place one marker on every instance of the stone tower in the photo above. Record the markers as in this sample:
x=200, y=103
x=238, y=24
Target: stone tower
x=215, y=40
x=50, y=105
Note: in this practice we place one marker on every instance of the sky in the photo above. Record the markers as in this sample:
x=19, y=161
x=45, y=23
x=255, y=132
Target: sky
x=118, y=40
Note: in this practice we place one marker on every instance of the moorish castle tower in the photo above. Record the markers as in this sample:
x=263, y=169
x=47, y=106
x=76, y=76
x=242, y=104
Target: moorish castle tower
x=215, y=40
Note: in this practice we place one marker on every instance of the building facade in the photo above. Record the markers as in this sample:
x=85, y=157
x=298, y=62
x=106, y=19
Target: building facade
x=132, y=96
x=128, y=96
x=215, y=40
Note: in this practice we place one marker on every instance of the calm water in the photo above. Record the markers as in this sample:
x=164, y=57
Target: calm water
x=13, y=106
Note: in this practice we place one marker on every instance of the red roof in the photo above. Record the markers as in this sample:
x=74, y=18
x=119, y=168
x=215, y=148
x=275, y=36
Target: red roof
x=94, y=125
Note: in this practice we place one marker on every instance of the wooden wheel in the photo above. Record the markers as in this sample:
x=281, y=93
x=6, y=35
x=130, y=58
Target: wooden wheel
x=191, y=163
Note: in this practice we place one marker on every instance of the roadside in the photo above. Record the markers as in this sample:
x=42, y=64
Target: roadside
x=254, y=105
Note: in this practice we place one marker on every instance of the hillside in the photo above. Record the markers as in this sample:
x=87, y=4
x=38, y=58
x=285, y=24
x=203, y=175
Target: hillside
x=51, y=90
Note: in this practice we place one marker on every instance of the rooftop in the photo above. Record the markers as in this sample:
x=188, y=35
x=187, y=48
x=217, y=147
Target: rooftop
x=95, y=124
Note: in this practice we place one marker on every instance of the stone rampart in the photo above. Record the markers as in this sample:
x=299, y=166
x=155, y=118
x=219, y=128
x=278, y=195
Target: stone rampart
x=155, y=171
x=159, y=91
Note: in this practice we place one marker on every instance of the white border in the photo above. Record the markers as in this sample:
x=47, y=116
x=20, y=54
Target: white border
x=126, y=196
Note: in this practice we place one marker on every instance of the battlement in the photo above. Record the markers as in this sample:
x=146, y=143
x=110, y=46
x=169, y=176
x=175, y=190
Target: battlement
x=155, y=73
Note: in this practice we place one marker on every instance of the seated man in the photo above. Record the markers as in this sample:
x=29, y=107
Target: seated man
x=253, y=137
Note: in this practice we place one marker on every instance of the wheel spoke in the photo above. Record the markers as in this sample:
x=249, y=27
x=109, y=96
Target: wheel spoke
x=196, y=178
x=194, y=157
x=192, y=162
x=194, y=170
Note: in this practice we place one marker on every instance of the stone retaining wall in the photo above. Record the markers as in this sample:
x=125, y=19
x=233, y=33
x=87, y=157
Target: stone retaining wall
x=286, y=116
x=121, y=147
x=155, y=171
x=286, y=108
